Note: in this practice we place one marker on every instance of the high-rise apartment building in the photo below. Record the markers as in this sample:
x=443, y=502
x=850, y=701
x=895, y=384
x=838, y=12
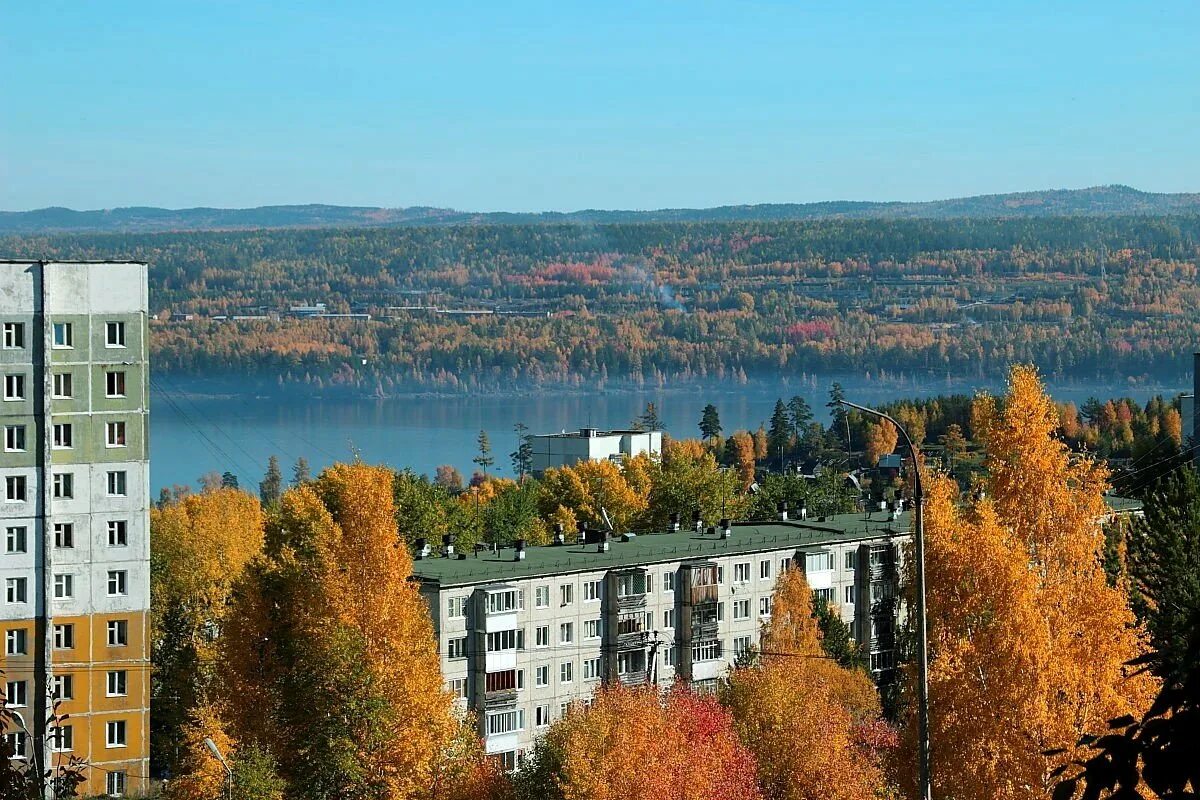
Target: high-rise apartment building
x=523, y=632
x=74, y=472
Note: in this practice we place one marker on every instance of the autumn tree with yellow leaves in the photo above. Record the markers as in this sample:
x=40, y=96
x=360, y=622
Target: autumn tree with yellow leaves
x=586, y=488
x=882, y=438
x=330, y=663
x=814, y=726
x=631, y=743
x=1028, y=642
x=200, y=545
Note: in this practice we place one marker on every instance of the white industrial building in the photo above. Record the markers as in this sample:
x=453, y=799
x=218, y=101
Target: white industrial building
x=589, y=444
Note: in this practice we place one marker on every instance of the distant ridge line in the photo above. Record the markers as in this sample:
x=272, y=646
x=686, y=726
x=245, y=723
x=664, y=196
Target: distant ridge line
x=1113, y=200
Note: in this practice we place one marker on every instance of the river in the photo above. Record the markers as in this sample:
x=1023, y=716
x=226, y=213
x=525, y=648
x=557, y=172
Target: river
x=192, y=435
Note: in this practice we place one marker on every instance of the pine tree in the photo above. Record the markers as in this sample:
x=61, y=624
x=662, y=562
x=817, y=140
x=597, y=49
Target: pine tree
x=484, y=459
x=271, y=487
x=229, y=480
x=779, y=434
x=301, y=474
x=522, y=457
x=649, y=420
x=710, y=422
x=799, y=415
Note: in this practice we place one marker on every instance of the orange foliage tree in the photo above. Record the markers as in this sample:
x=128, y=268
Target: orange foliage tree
x=332, y=664
x=1028, y=642
x=813, y=726
x=881, y=440
x=634, y=744
x=589, y=486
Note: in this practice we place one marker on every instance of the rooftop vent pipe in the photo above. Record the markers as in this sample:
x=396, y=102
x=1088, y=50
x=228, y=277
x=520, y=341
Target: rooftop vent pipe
x=519, y=550
x=803, y=509
x=422, y=547
x=448, y=545
x=674, y=521
x=697, y=523
x=559, y=538
x=782, y=508
x=726, y=528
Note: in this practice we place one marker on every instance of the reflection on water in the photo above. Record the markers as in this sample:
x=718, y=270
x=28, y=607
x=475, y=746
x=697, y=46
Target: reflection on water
x=194, y=436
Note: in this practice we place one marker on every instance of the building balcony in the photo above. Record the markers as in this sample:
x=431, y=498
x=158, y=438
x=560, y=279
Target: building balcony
x=703, y=594
x=634, y=640
x=705, y=630
x=632, y=678
x=497, y=700
x=631, y=602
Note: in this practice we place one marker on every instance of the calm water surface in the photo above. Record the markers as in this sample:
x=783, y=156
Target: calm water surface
x=191, y=436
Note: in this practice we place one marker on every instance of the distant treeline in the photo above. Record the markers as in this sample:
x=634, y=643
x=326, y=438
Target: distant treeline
x=1112, y=298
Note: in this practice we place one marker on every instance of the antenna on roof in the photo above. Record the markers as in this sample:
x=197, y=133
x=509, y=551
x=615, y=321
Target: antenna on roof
x=607, y=520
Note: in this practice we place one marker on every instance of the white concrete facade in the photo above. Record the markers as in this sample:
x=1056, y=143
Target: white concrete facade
x=589, y=444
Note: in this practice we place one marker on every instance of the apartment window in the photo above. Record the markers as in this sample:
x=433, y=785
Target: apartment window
x=669, y=618
x=14, y=387
x=591, y=668
x=63, y=334
x=502, y=602
x=118, y=533
x=63, y=437
x=63, y=386
x=541, y=597
x=541, y=715
x=64, y=586
x=851, y=559
x=720, y=573
x=741, y=572
x=566, y=633
x=16, y=740
x=764, y=606
x=741, y=609
x=764, y=570
x=567, y=594
x=16, y=695
x=505, y=722
x=541, y=636
x=16, y=642
x=63, y=687
x=741, y=645
x=116, y=483
x=16, y=590
x=669, y=581
x=114, y=384
x=591, y=629
x=114, y=334
x=117, y=683
x=116, y=583
x=16, y=539
x=114, y=733
x=815, y=562
x=784, y=565
x=114, y=785
x=14, y=438
x=541, y=676
x=118, y=632
x=456, y=607
x=458, y=688
x=114, y=434
x=850, y=595
x=64, y=485
x=64, y=636
x=566, y=672
x=669, y=656
x=14, y=489
x=62, y=738
x=64, y=534
x=706, y=651
x=501, y=640
x=14, y=335
x=823, y=594
x=457, y=647
x=591, y=591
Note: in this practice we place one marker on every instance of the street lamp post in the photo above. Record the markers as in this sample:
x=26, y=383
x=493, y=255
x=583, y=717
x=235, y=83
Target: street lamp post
x=925, y=787
x=216, y=751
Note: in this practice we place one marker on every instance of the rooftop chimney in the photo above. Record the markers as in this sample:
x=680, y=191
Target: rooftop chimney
x=674, y=521
x=726, y=528
x=803, y=509
x=519, y=550
x=697, y=523
x=781, y=507
x=559, y=537
x=581, y=529
x=422, y=547
x=448, y=545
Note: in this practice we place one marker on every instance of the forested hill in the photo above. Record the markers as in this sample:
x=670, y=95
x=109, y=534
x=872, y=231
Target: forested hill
x=511, y=307
x=1099, y=200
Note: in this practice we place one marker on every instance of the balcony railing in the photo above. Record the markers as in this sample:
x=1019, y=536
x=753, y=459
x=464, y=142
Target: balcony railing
x=499, y=699
x=634, y=640
x=631, y=602
x=632, y=678
x=705, y=630
x=703, y=594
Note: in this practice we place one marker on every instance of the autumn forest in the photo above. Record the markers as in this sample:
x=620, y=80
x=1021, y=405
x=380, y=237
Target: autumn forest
x=511, y=307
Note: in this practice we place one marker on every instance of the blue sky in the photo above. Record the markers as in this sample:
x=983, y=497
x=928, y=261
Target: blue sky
x=560, y=105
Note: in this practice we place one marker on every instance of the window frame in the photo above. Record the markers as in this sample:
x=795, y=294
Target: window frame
x=114, y=334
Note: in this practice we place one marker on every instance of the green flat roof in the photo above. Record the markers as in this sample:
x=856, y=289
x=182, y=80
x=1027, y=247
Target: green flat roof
x=650, y=548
